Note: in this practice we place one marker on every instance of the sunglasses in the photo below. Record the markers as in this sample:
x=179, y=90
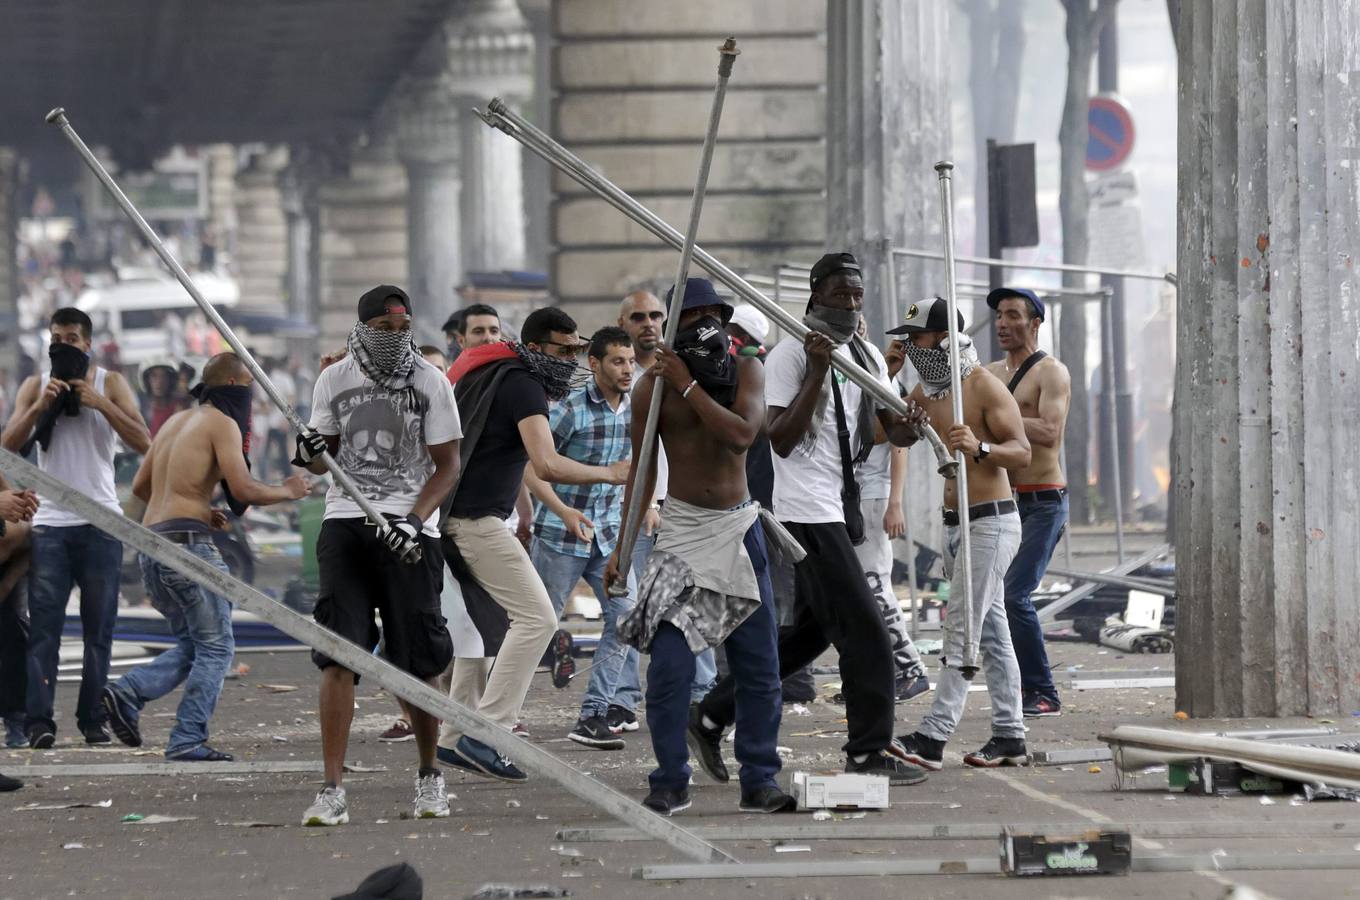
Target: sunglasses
x=640, y=317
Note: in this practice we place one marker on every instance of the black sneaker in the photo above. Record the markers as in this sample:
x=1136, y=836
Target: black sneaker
x=920, y=750
x=96, y=735
x=884, y=763
x=9, y=784
x=667, y=803
x=40, y=737
x=706, y=745
x=453, y=759
x=123, y=725
x=620, y=719
x=1037, y=707
x=999, y=752
x=563, y=663
x=909, y=686
x=767, y=800
x=595, y=732
x=488, y=761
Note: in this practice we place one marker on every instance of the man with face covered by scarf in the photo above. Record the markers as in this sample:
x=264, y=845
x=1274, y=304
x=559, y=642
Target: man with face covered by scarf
x=503, y=391
x=992, y=439
x=194, y=450
x=389, y=419
x=820, y=423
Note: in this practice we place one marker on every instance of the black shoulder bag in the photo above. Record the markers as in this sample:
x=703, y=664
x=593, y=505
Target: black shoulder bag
x=1034, y=359
x=854, y=516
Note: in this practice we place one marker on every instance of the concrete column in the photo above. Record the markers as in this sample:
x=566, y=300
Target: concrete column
x=633, y=83
x=427, y=144
x=298, y=188
x=537, y=178
x=490, y=54
x=887, y=124
x=1267, y=417
x=261, y=251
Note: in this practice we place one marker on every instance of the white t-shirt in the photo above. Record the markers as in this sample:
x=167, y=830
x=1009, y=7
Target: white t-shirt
x=382, y=444
x=807, y=485
x=875, y=473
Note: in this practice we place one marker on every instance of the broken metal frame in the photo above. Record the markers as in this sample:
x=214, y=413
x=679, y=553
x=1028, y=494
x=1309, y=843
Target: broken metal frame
x=1150, y=585
x=1048, y=614
x=358, y=660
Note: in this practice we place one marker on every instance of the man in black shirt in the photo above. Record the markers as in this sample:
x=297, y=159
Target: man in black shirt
x=503, y=391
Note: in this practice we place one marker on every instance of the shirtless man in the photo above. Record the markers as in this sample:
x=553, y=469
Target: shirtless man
x=712, y=409
x=194, y=451
x=993, y=441
x=1043, y=390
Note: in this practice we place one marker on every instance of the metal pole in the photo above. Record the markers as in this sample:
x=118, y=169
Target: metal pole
x=498, y=115
x=890, y=316
x=357, y=659
x=58, y=117
x=963, y=560
x=642, y=462
x=1039, y=267
x=1107, y=396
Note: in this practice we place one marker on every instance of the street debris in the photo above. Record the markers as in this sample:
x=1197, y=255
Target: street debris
x=155, y=819
x=100, y=804
x=508, y=891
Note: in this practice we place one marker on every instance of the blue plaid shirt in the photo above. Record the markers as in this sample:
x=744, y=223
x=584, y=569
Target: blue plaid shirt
x=587, y=430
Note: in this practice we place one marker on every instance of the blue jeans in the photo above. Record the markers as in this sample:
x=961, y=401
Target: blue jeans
x=201, y=622
x=62, y=556
x=705, y=665
x=1042, y=523
x=753, y=656
x=614, y=677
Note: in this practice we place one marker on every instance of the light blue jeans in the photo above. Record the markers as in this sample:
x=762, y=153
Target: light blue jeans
x=614, y=677
x=995, y=541
x=705, y=665
x=201, y=623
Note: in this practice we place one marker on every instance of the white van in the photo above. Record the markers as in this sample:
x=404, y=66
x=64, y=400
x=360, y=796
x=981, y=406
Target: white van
x=136, y=308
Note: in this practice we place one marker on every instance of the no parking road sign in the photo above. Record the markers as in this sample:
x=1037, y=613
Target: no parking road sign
x=1109, y=133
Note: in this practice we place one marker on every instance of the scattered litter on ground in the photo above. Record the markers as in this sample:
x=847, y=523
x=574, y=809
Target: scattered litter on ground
x=821, y=815
x=509, y=891
x=954, y=806
x=278, y=688
x=99, y=804
x=132, y=817
x=509, y=804
x=799, y=709
x=261, y=824
x=155, y=819
x=75, y=845
x=280, y=738
x=1266, y=801
x=792, y=848
x=1094, y=770
x=1182, y=716
x=360, y=767
x=562, y=850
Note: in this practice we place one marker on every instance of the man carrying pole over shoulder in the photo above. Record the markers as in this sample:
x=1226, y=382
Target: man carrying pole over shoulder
x=992, y=440
x=193, y=452
x=1043, y=389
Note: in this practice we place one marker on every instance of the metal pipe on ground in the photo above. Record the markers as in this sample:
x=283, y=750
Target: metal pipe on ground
x=1050, y=611
x=501, y=117
x=1133, y=583
x=357, y=659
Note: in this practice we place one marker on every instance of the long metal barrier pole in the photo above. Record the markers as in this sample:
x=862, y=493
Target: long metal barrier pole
x=1038, y=267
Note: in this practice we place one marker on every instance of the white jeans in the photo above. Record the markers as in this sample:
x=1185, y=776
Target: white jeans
x=876, y=556
x=995, y=541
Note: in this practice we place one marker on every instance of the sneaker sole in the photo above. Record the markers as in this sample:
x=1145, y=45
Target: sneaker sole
x=930, y=765
x=627, y=726
x=321, y=822
x=997, y=763
x=118, y=722
x=596, y=743
x=45, y=742
x=673, y=810
x=564, y=666
x=432, y=814
x=1043, y=715
x=397, y=740
x=791, y=806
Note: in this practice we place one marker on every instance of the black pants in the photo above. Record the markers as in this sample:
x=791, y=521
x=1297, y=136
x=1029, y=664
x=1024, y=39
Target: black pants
x=833, y=605
x=14, y=651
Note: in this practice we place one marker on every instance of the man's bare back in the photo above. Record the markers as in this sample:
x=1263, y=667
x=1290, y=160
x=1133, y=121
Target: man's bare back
x=1044, y=396
x=991, y=413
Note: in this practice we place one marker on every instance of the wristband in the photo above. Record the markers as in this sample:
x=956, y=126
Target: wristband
x=684, y=395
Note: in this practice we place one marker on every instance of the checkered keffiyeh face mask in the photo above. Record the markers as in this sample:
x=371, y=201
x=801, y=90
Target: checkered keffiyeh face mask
x=932, y=364
x=388, y=358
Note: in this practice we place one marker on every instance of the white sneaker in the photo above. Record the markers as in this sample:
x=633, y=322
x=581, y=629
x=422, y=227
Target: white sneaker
x=331, y=807
x=432, y=800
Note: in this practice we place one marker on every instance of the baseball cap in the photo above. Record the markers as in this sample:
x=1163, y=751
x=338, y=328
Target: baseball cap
x=832, y=263
x=931, y=314
x=383, y=299
x=699, y=292
x=752, y=321
x=995, y=297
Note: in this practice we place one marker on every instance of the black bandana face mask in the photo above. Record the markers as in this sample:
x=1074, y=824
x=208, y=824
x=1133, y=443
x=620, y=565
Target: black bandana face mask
x=704, y=348
x=556, y=376
x=233, y=401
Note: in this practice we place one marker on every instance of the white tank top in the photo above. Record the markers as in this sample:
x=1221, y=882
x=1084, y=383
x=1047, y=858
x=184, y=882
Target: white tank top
x=81, y=455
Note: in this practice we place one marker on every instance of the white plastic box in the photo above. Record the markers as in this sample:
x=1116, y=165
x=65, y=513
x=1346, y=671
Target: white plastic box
x=840, y=791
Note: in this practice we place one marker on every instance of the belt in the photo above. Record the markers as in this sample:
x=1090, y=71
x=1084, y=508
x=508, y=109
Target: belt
x=186, y=537
x=1048, y=495
x=980, y=511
